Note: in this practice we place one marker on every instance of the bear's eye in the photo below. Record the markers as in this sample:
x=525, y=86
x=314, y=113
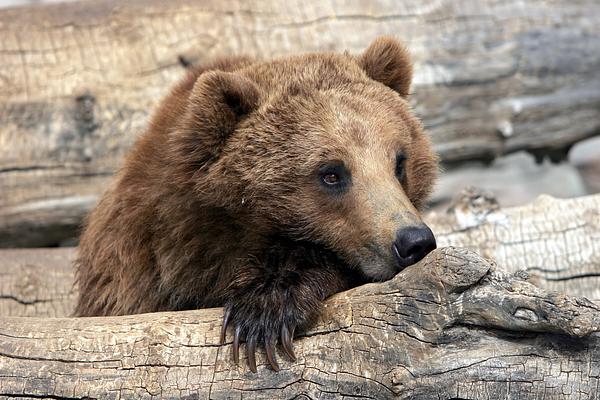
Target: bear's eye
x=400, y=170
x=331, y=179
x=334, y=176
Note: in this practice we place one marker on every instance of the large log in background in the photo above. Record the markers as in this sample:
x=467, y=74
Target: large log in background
x=78, y=81
x=451, y=326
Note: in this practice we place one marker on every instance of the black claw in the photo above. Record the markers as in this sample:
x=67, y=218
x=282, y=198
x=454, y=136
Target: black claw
x=286, y=342
x=226, y=317
x=269, y=347
x=250, y=351
x=236, y=346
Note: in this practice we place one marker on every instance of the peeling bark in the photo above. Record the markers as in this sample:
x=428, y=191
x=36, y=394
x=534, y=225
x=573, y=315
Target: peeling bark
x=78, y=81
x=452, y=326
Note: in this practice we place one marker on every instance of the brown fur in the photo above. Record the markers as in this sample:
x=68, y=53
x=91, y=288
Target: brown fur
x=218, y=202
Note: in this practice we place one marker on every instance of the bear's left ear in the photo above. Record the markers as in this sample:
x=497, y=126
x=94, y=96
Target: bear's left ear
x=222, y=99
x=216, y=104
x=387, y=61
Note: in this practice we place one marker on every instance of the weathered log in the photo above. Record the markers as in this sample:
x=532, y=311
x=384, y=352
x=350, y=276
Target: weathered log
x=37, y=282
x=451, y=326
x=555, y=241
x=78, y=80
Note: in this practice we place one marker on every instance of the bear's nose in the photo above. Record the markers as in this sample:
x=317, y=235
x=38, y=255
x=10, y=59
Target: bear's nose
x=412, y=244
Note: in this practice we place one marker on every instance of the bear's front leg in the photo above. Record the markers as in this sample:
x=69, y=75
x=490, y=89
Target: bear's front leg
x=269, y=299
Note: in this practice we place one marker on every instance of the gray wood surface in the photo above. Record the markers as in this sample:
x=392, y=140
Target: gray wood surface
x=556, y=240
x=37, y=282
x=452, y=326
x=79, y=80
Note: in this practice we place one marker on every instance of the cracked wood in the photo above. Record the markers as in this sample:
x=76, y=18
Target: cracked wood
x=452, y=326
x=78, y=81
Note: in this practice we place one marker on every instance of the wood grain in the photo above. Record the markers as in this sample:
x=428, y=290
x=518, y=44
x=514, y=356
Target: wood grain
x=79, y=80
x=557, y=241
x=37, y=282
x=452, y=326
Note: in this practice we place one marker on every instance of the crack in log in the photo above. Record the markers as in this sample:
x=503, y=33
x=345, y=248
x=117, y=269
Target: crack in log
x=456, y=300
x=25, y=302
x=572, y=277
x=59, y=360
x=29, y=168
x=44, y=396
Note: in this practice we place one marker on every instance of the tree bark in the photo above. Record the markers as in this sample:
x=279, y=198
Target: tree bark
x=452, y=326
x=556, y=241
x=79, y=80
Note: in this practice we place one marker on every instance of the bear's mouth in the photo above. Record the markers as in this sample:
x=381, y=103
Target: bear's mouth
x=317, y=255
x=328, y=257
x=308, y=253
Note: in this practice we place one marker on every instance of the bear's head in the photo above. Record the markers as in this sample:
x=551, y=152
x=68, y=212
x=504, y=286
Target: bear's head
x=321, y=148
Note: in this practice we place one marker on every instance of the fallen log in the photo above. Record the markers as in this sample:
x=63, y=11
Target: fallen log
x=556, y=241
x=79, y=80
x=452, y=326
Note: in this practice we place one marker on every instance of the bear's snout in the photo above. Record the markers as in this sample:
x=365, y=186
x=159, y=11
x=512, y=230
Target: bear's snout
x=412, y=244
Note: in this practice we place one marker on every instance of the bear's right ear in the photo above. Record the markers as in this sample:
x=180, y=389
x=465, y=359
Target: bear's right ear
x=387, y=61
x=217, y=103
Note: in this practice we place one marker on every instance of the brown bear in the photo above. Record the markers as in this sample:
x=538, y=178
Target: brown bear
x=265, y=187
